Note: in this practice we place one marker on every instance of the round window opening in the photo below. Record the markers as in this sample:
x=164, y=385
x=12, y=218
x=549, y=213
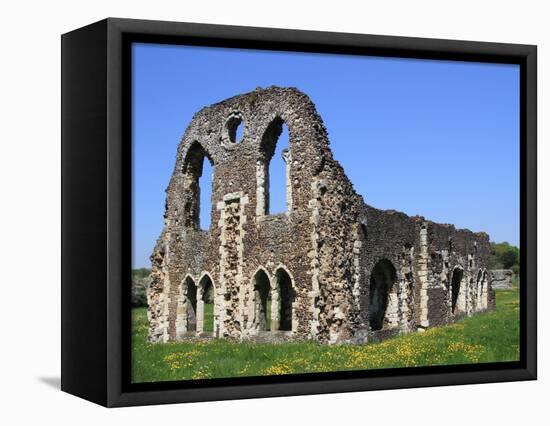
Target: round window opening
x=235, y=128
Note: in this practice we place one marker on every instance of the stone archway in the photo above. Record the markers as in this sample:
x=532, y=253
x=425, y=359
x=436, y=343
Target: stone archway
x=383, y=278
x=282, y=299
x=273, y=172
x=205, y=305
x=262, y=289
x=190, y=304
x=456, y=280
x=193, y=178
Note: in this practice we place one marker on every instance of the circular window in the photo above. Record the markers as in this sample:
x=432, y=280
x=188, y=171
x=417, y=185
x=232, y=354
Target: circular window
x=233, y=131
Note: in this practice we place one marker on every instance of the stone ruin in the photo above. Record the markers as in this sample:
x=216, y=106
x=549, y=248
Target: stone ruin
x=332, y=268
x=501, y=278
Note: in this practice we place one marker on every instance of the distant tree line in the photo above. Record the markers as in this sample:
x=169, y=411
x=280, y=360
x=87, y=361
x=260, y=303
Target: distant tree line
x=141, y=272
x=140, y=284
x=504, y=256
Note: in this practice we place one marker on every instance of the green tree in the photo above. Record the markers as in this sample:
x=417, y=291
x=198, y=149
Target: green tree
x=141, y=272
x=140, y=284
x=504, y=256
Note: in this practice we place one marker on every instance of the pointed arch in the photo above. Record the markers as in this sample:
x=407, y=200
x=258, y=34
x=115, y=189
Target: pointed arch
x=187, y=305
x=283, y=297
x=383, y=279
x=264, y=191
x=456, y=286
x=205, y=304
x=193, y=167
x=261, y=292
x=205, y=275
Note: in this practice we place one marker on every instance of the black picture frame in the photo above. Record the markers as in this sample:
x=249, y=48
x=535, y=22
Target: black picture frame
x=96, y=202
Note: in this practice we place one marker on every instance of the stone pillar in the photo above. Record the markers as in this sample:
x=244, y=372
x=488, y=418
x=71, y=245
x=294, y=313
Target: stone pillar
x=287, y=158
x=357, y=249
x=461, y=300
x=392, y=310
x=484, y=291
x=313, y=255
x=295, y=322
x=250, y=308
x=200, y=309
x=232, y=219
x=181, y=317
x=470, y=294
x=262, y=196
x=423, y=276
x=275, y=303
x=164, y=302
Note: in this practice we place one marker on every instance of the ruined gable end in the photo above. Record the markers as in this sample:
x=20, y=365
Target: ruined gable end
x=329, y=268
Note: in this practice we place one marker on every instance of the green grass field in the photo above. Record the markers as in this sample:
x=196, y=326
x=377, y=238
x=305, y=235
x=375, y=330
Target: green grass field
x=209, y=317
x=487, y=337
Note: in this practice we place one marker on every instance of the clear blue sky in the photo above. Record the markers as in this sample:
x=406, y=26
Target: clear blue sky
x=435, y=138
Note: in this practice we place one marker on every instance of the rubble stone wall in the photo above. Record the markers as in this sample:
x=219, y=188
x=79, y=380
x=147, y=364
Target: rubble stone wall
x=331, y=268
x=501, y=278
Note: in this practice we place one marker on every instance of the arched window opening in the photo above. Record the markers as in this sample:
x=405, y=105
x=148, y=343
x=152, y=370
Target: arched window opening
x=262, y=320
x=274, y=191
x=286, y=299
x=207, y=304
x=382, y=280
x=190, y=293
x=239, y=132
x=205, y=188
x=278, y=179
x=235, y=128
x=455, y=287
x=198, y=173
x=364, y=232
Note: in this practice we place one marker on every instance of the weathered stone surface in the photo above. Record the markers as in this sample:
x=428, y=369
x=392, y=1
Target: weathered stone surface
x=501, y=278
x=332, y=268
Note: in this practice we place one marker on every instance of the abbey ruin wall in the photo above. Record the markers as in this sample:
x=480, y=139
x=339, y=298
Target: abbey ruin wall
x=331, y=268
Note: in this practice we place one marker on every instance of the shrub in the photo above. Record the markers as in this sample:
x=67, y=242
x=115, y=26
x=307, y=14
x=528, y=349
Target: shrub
x=504, y=256
x=140, y=284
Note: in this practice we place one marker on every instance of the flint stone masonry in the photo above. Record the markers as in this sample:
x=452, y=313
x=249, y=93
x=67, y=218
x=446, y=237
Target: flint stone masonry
x=331, y=269
x=501, y=278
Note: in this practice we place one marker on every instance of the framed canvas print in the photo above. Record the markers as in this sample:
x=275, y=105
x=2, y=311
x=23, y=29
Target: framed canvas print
x=253, y=212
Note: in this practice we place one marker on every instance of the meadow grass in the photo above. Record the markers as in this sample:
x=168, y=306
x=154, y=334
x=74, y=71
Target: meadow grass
x=485, y=337
x=209, y=317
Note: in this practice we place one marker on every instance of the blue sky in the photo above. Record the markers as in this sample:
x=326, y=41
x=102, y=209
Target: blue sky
x=435, y=138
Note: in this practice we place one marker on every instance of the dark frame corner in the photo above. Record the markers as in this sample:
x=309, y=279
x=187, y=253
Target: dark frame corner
x=96, y=201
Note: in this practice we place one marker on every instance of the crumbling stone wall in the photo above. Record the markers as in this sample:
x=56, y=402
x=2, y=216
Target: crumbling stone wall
x=331, y=268
x=501, y=278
